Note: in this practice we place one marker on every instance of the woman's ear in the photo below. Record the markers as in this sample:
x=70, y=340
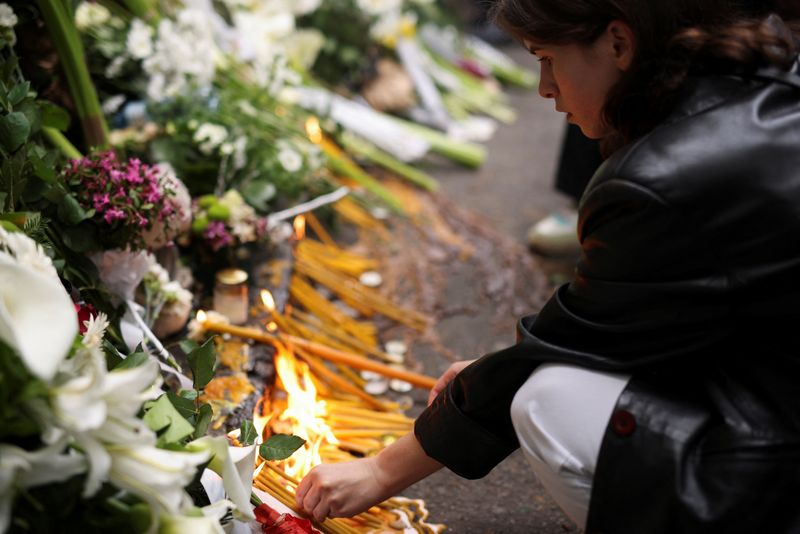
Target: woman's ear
x=623, y=42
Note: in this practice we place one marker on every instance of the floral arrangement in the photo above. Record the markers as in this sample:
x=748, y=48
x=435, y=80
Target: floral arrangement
x=69, y=419
x=89, y=435
x=226, y=221
x=123, y=199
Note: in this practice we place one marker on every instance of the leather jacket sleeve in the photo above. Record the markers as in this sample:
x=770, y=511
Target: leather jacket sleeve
x=626, y=309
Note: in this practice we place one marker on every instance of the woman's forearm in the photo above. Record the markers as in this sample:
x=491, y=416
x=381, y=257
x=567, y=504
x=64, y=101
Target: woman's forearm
x=404, y=462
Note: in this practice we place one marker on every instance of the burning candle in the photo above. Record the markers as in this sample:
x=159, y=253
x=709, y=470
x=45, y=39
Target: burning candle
x=269, y=304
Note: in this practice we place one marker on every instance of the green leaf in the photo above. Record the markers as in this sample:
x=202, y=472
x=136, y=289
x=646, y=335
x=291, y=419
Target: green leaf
x=7, y=69
x=18, y=93
x=113, y=356
x=203, y=361
x=164, y=418
x=80, y=238
x=55, y=194
x=188, y=345
x=3, y=90
x=30, y=109
x=54, y=116
x=42, y=168
x=70, y=211
x=248, y=433
x=204, y=415
x=190, y=394
x=184, y=406
x=14, y=130
x=133, y=360
x=280, y=446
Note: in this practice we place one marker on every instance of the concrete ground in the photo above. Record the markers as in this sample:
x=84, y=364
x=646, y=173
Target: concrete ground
x=511, y=191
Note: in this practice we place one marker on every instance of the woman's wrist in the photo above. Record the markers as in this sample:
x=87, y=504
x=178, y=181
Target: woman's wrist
x=402, y=464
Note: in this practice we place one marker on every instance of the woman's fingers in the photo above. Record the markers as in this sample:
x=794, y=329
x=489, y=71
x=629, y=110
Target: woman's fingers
x=321, y=511
x=312, y=500
x=302, y=489
x=446, y=377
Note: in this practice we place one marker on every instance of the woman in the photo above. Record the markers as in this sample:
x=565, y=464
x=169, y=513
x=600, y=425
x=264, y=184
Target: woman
x=660, y=390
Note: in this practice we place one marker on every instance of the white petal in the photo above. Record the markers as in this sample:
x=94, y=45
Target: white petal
x=237, y=486
x=123, y=384
x=37, y=318
x=99, y=463
x=156, y=475
x=180, y=524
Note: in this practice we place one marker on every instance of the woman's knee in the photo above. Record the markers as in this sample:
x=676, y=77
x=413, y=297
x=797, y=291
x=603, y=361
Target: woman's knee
x=539, y=399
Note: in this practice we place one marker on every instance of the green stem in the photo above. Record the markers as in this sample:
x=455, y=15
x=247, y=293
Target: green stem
x=62, y=143
x=70, y=52
x=139, y=8
x=470, y=154
x=349, y=169
x=366, y=150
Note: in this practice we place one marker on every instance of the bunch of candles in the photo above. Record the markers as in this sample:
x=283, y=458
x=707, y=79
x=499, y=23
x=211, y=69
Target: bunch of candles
x=320, y=349
x=338, y=422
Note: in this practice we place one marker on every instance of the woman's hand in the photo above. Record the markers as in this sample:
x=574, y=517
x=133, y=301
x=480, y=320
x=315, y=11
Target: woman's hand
x=349, y=488
x=341, y=490
x=446, y=377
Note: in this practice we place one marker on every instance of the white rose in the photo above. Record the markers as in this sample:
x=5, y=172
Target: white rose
x=90, y=14
x=303, y=7
x=377, y=7
x=303, y=46
x=140, y=40
x=209, y=136
x=7, y=17
x=290, y=159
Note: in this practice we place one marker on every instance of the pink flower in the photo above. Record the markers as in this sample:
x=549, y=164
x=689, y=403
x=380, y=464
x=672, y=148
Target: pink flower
x=100, y=201
x=217, y=236
x=114, y=214
x=152, y=194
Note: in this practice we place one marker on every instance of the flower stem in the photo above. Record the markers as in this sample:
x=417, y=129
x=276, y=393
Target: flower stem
x=70, y=52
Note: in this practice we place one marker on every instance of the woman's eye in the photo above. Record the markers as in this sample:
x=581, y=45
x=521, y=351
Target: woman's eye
x=544, y=60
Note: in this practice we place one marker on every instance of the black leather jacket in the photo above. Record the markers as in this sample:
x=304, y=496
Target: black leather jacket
x=689, y=280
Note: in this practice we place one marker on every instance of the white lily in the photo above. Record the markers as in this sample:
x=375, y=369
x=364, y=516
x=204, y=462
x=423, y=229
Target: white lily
x=32, y=304
x=98, y=408
x=181, y=524
x=158, y=476
x=237, y=479
x=24, y=469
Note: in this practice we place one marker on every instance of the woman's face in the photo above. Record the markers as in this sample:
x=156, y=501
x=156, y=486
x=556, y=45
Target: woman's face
x=578, y=77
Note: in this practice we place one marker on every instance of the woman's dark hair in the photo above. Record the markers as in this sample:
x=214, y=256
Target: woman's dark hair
x=674, y=38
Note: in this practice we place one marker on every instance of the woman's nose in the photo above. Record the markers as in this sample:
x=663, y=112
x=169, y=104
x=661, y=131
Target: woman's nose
x=547, y=86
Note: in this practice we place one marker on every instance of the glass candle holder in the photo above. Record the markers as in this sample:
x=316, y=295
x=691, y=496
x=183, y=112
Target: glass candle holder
x=231, y=296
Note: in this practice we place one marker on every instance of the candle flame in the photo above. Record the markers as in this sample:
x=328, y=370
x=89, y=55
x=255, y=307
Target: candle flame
x=304, y=410
x=299, y=227
x=313, y=130
x=268, y=300
x=201, y=316
x=259, y=419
